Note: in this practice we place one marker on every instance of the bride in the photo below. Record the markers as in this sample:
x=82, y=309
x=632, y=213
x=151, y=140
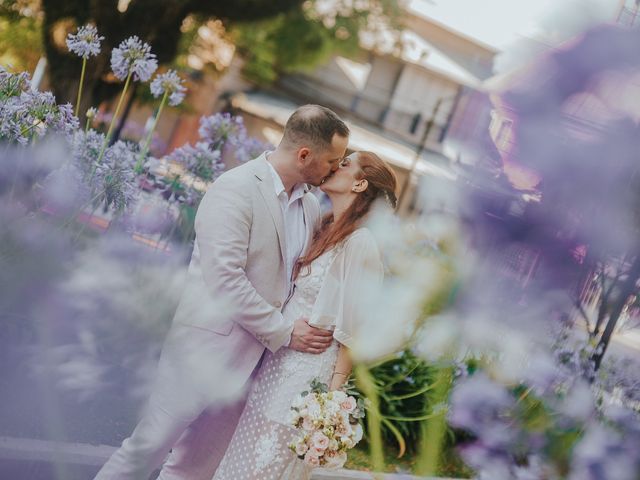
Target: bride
x=342, y=256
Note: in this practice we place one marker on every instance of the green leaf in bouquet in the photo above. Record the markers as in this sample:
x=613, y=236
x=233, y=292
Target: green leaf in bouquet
x=318, y=387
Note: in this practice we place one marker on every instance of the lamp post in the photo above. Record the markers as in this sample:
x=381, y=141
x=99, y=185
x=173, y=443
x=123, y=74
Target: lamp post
x=419, y=150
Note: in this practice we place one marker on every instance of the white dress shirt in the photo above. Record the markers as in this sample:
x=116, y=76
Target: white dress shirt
x=294, y=223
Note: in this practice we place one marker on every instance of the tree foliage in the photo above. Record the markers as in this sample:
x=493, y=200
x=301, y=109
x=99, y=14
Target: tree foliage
x=275, y=36
x=155, y=21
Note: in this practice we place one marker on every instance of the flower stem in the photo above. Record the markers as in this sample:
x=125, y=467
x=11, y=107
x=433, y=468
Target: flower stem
x=435, y=427
x=107, y=138
x=145, y=148
x=374, y=423
x=84, y=68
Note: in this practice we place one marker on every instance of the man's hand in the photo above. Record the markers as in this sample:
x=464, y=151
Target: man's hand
x=306, y=338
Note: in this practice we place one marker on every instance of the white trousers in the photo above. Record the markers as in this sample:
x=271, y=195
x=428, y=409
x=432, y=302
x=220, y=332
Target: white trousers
x=181, y=421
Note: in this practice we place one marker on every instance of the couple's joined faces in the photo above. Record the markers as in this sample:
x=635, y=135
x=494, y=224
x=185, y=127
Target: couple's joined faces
x=345, y=179
x=320, y=164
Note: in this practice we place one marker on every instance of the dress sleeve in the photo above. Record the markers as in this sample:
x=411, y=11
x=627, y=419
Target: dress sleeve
x=352, y=282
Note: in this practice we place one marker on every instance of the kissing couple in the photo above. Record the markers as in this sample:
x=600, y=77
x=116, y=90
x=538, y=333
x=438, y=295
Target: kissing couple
x=272, y=301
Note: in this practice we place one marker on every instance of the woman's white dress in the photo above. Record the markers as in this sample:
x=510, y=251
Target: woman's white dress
x=259, y=447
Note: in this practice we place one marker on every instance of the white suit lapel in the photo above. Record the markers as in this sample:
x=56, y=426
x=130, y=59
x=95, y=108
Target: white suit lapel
x=267, y=190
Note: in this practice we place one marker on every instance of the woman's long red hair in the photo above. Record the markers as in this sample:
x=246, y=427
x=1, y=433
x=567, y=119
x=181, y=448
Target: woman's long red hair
x=381, y=184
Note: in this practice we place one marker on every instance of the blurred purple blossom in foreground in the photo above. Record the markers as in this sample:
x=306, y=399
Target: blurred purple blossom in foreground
x=544, y=412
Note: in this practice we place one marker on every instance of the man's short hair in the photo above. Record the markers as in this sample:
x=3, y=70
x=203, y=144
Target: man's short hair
x=313, y=126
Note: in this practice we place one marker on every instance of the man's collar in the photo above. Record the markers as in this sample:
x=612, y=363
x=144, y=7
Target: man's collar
x=298, y=190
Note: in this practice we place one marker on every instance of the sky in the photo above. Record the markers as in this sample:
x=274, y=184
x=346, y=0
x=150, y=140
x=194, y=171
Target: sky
x=517, y=27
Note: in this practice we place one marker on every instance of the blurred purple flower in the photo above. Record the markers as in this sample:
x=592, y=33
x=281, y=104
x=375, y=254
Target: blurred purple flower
x=485, y=409
x=200, y=160
x=133, y=56
x=86, y=42
x=606, y=454
x=115, y=179
x=251, y=148
x=222, y=129
x=171, y=84
x=150, y=216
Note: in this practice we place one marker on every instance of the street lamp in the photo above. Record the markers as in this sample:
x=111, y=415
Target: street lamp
x=422, y=145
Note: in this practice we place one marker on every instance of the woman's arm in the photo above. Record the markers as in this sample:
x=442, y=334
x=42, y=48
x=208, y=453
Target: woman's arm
x=342, y=369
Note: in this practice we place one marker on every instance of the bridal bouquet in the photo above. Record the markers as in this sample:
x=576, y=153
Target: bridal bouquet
x=328, y=425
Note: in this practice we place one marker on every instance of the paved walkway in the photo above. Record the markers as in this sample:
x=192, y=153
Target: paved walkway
x=44, y=460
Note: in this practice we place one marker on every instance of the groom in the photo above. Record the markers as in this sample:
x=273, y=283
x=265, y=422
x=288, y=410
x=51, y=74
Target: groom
x=252, y=225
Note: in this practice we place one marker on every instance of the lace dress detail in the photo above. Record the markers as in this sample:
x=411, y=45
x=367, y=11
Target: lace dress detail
x=259, y=447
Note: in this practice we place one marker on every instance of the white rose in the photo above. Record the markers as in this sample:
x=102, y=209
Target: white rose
x=348, y=442
x=301, y=448
x=331, y=408
x=338, y=396
x=320, y=441
x=357, y=433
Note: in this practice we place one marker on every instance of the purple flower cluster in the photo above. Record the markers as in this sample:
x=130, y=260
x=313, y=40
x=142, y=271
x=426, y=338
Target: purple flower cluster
x=86, y=42
x=133, y=56
x=27, y=114
x=115, y=179
x=222, y=129
x=200, y=160
x=251, y=148
x=112, y=182
x=171, y=84
x=608, y=450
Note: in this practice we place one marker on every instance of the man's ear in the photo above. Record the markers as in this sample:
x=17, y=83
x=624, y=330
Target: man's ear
x=303, y=155
x=360, y=185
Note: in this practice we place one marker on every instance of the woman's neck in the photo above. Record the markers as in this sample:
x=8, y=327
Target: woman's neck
x=340, y=204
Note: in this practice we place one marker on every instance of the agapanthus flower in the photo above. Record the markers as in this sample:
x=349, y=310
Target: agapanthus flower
x=171, y=84
x=86, y=42
x=26, y=114
x=133, y=56
x=250, y=148
x=200, y=160
x=116, y=178
x=483, y=408
x=11, y=84
x=85, y=147
x=222, y=129
x=92, y=113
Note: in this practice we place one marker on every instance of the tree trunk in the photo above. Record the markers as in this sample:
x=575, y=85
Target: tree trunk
x=155, y=21
x=627, y=288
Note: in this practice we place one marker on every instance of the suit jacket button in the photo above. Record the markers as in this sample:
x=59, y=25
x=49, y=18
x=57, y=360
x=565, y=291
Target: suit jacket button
x=277, y=304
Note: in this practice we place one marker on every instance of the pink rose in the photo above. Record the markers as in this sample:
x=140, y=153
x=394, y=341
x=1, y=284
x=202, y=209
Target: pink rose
x=320, y=441
x=348, y=405
x=311, y=460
